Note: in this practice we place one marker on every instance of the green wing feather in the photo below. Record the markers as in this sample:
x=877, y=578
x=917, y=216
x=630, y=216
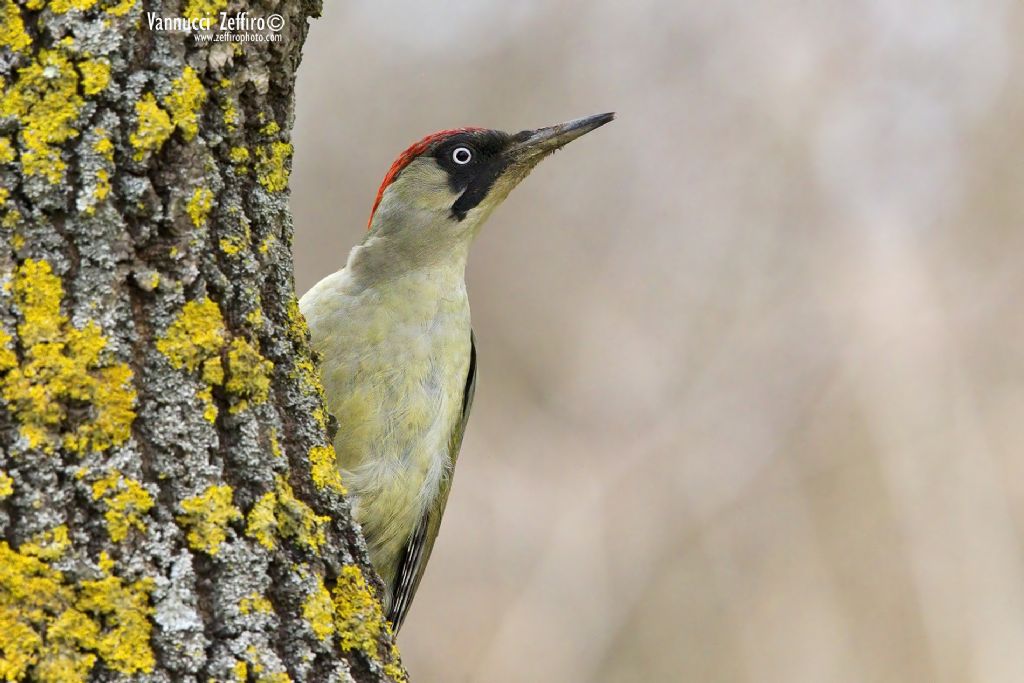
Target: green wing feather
x=421, y=542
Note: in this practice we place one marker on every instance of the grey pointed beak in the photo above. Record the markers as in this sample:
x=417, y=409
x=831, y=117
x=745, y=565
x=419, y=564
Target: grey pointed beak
x=536, y=144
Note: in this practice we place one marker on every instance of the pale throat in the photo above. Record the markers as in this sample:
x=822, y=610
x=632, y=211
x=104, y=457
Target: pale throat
x=413, y=241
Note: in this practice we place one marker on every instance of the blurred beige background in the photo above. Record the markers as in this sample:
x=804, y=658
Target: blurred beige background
x=750, y=404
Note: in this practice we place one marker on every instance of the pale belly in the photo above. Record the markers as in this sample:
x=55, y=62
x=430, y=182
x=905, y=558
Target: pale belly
x=394, y=366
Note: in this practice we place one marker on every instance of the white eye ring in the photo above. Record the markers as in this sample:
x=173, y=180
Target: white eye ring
x=462, y=155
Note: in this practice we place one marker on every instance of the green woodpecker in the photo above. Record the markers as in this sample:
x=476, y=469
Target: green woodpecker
x=392, y=329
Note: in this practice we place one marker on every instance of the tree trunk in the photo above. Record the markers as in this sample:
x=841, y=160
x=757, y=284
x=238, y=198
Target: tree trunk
x=169, y=505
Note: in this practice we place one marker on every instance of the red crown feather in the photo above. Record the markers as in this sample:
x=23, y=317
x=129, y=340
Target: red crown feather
x=406, y=157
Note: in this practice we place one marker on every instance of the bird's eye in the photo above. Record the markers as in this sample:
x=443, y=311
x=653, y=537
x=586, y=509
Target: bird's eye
x=462, y=155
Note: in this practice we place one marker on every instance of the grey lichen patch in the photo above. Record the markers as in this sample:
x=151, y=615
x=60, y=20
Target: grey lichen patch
x=241, y=605
x=176, y=614
x=96, y=165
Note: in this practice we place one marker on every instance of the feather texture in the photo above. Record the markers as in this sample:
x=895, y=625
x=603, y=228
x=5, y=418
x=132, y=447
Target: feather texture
x=421, y=542
x=395, y=356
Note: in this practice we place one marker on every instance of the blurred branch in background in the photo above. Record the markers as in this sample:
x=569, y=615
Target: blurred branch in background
x=750, y=395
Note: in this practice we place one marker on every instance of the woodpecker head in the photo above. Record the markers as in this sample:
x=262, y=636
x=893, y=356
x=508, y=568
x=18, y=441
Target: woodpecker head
x=440, y=190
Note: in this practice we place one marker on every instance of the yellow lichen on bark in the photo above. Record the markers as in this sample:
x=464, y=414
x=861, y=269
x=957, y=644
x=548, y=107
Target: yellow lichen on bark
x=204, y=9
x=195, y=336
x=359, y=620
x=357, y=613
x=323, y=468
x=275, y=445
x=195, y=339
x=231, y=120
x=232, y=245
x=12, y=28
x=255, y=602
x=103, y=145
x=199, y=206
x=8, y=359
x=261, y=522
x=118, y=8
x=6, y=157
x=62, y=6
x=47, y=545
x=61, y=365
x=318, y=610
x=303, y=367
x=38, y=293
x=153, y=128
x=124, y=608
x=207, y=516
x=44, y=99
x=95, y=75
x=256, y=666
x=272, y=165
x=127, y=502
x=298, y=330
x=248, y=374
x=185, y=101
x=55, y=631
x=279, y=514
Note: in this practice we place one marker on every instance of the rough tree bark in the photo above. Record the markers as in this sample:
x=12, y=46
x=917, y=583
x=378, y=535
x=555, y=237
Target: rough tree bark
x=169, y=509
